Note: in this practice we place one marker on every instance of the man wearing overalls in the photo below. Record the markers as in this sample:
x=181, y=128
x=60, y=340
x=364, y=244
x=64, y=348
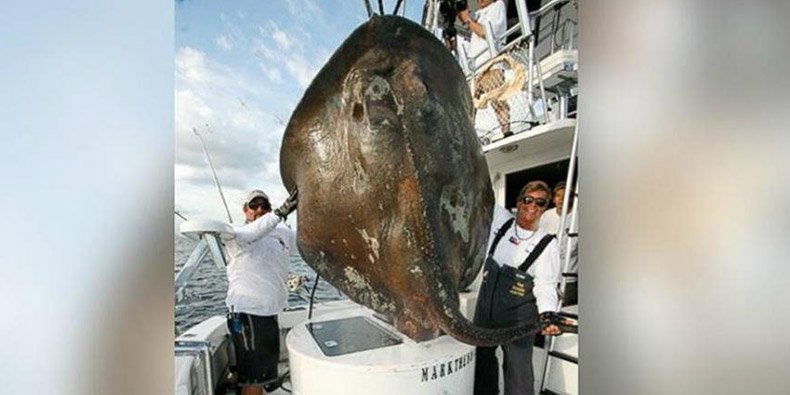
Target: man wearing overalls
x=520, y=278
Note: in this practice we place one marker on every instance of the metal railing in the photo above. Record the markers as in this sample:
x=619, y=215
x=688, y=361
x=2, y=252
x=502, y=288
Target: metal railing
x=524, y=27
x=529, y=41
x=564, y=236
x=204, y=375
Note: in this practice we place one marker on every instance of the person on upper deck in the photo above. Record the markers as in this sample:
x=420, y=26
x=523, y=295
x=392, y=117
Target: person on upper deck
x=520, y=278
x=257, y=270
x=493, y=13
x=550, y=222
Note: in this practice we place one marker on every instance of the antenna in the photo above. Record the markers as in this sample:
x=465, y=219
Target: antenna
x=213, y=173
x=246, y=108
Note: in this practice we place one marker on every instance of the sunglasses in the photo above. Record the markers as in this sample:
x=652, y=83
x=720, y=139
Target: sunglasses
x=538, y=202
x=253, y=205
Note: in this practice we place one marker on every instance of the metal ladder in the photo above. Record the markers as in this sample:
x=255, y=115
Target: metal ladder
x=564, y=236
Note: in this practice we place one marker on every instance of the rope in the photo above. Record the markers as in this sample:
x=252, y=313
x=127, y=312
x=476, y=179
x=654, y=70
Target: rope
x=312, y=295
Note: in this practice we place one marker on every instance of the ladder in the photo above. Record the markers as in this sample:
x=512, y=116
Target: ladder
x=567, y=237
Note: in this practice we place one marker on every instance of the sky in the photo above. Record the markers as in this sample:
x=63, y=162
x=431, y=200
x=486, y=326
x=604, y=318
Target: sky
x=241, y=67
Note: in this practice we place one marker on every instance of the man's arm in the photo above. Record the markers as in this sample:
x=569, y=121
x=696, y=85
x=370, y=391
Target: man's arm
x=475, y=27
x=498, y=20
x=547, y=276
x=256, y=229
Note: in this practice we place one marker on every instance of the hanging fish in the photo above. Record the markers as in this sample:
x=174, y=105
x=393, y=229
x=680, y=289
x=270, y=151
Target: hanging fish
x=395, y=201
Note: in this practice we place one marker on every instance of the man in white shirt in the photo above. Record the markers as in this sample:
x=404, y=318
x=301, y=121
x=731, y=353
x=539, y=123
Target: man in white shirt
x=257, y=272
x=550, y=222
x=491, y=12
x=519, y=287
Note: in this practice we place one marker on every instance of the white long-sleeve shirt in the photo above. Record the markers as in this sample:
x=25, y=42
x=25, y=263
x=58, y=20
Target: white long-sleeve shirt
x=550, y=222
x=258, y=255
x=495, y=14
x=545, y=271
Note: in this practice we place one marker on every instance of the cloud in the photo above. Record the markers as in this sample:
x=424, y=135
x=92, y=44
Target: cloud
x=238, y=91
x=224, y=42
x=282, y=52
x=263, y=50
x=232, y=36
x=271, y=73
x=230, y=111
x=304, y=10
x=191, y=65
x=280, y=37
x=300, y=69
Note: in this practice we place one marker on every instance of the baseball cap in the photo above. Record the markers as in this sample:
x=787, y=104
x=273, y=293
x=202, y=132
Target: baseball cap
x=255, y=193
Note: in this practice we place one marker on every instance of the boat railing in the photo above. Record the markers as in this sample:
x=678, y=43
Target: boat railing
x=547, y=35
x=561, y=32
x=202, y=375
x=208, y=234
x=539, y=89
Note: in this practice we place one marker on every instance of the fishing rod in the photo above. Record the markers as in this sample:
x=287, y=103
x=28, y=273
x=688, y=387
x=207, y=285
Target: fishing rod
x=181, y=216
x=213, y=173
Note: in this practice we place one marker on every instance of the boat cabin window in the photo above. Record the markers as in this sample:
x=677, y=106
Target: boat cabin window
x=550, y=173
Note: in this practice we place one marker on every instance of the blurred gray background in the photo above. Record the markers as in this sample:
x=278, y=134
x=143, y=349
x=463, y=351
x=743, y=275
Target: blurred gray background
x=684, y=182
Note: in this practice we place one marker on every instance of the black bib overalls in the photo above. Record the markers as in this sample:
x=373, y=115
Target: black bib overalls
x=506, y=300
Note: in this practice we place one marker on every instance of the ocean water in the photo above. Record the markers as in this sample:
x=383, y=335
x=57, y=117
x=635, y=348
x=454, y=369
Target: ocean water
x=204, y=295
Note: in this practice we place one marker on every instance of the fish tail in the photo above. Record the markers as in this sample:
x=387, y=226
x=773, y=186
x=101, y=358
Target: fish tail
x=456, y=325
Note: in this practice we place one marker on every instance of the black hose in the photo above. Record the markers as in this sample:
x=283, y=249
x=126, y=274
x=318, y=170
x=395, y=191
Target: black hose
x=312, y=294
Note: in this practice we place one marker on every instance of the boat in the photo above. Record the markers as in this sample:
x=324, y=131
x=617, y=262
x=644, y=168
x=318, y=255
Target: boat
x=339, y=347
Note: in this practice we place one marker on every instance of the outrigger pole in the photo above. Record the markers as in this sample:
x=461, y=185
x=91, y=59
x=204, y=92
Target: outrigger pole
x=370, y=10
x=381, y=7
x=397, y=6
x=213, y=173
x=179, y=214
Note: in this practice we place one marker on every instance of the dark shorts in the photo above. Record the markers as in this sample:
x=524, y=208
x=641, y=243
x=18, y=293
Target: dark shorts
x=256, y=341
